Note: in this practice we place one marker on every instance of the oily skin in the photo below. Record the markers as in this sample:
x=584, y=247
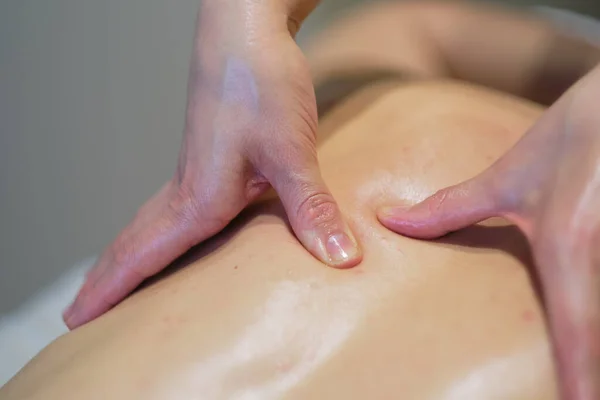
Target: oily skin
x=251, y=124
x=268, y=137
x=250, y=314
x=549, y=185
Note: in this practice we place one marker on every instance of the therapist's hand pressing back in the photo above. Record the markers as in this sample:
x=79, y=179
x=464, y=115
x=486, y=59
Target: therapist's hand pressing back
x=250, y=125
x=549, y=185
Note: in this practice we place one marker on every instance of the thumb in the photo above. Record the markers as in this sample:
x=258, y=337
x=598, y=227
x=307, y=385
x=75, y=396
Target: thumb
x=315, y=216
x=447, y=210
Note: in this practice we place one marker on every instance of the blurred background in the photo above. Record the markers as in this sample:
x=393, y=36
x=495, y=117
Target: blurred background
x=92, y=99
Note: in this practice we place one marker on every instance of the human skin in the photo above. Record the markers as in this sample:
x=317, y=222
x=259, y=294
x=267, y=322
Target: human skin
x=248, y=45
x=251, y=125
x=250, y=97
x=549, y=185
x=429, y=40
x=249, y=314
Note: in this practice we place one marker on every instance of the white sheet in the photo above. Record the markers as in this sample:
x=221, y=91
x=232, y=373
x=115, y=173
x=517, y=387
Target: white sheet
x=37, y=322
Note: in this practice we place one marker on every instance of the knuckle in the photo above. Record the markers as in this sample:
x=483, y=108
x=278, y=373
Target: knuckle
x=318, y=209
x=182, y=207
x=437, y=202
x=190, y=205
x=209, y=212
x=123, y=251
x=128, y=260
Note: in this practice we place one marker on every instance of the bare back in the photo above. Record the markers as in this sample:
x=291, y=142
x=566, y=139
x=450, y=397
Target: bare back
x=251, y=315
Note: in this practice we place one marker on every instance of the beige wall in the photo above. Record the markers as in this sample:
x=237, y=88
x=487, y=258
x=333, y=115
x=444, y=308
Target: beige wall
x=92, y=96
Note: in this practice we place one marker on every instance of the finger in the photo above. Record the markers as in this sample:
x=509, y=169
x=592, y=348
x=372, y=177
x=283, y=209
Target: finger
x=447, y=210
x=144, y=248
x=315, y=216
x=570, y=273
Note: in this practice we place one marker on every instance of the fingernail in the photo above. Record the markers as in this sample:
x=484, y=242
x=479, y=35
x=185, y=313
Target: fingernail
x=341, y=248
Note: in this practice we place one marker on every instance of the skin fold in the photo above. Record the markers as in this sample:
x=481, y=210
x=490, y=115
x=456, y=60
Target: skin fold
x=250, y=315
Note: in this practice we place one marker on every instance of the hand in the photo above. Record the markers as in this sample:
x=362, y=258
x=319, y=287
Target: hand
x=251, y=124
x=549, y=185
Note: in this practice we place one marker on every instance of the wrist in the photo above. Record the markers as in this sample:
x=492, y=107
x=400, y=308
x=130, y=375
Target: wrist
x=250, y=16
